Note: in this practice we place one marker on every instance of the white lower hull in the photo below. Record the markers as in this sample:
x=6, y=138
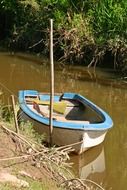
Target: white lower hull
x=83, y=140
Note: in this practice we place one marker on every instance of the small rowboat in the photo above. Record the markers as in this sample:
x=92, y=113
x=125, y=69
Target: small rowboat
x=76, y=120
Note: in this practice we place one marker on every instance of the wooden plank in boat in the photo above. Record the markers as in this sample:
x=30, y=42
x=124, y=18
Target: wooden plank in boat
x=40, y=102
x=62, y=118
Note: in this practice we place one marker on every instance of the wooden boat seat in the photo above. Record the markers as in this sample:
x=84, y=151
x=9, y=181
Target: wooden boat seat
x=61, y=118
x=59, y=107
x=58, y=117
x=41, y=102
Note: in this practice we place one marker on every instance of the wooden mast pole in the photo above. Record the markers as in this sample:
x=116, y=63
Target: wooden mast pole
x=51, y=83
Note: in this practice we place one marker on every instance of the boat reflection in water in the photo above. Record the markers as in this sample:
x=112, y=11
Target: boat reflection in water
x=90, y=165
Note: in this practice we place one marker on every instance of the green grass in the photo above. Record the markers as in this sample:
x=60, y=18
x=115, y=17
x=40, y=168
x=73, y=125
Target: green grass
x=33, y=185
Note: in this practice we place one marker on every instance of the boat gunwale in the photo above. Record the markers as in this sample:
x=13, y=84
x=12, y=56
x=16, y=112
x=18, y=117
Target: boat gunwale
x=108, y=123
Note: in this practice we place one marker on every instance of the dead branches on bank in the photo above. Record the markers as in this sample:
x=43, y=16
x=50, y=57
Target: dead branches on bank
x=80, y=184
x=52, y=160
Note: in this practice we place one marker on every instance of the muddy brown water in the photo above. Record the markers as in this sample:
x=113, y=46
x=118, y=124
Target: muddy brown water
x=105, y=164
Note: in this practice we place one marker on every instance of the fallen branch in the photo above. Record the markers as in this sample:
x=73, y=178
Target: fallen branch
x=79, y=183
x=69, y=146
x=93, y=182
x=58, y=158
x=74, y=183
x=19, y=136
x=36, y=44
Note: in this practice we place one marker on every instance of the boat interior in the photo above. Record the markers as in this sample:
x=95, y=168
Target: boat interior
x=64, y=110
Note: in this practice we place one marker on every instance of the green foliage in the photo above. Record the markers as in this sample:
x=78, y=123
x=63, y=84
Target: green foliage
x=26, y=128
x=8, y=5
x=80, y=27
x=77, y=38
x=109, y=24
x=31, y=3
x=109, y=19
x=5, y=113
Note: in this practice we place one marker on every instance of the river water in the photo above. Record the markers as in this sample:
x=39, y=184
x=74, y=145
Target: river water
x=105, y=164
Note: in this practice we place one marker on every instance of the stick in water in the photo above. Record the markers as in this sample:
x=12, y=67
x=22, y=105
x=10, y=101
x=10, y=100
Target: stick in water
x=15, y=117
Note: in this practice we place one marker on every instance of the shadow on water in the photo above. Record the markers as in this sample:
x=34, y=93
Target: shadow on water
x=105, y=164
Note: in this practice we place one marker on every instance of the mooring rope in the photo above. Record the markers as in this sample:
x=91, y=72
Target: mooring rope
x=70, y=145
x=6, y=88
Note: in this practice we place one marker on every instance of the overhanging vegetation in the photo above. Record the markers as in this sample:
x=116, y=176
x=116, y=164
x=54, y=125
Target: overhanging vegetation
x=85, y=32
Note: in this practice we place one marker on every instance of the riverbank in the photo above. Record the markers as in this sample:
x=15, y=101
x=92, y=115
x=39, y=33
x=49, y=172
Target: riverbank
x=27, y=164
x=17, y=172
